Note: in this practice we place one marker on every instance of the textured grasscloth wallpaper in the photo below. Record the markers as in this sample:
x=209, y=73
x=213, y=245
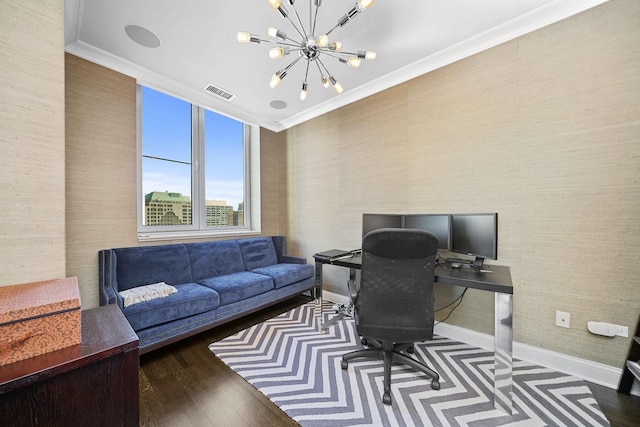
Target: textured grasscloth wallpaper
x=544, y=130
x=32, y=223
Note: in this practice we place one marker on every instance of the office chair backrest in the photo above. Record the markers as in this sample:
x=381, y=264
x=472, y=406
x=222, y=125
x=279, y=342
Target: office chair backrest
x=395, y=299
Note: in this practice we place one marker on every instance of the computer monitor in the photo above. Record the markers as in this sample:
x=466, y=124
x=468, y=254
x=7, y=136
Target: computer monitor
x=438, y=224
x=475, y=235
x=371, y=221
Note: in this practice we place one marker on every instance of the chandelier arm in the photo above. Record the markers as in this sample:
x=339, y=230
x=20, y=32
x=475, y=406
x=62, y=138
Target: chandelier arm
x=299, y=20
x=325, y=68
x=331, y=30
x=315, y=18
x=306, y=74
x=294, y=44
x=288, y=67
x=343, y=54
x=295, y=27
x=348, y=17
x=281, y=43
x=336, y=55
x=319, y=69
x=287, y=38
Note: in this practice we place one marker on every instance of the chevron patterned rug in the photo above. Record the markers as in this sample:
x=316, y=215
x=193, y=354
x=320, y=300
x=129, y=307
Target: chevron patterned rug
x=298, y=369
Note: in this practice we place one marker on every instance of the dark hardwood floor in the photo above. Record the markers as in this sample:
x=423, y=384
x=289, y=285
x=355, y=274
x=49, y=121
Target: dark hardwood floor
x=184, y=384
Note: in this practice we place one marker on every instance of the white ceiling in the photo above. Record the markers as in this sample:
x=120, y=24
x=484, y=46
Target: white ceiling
x=198, y=46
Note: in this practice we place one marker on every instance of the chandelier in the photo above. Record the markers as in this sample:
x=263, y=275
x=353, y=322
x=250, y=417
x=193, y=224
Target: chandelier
x=308, y=46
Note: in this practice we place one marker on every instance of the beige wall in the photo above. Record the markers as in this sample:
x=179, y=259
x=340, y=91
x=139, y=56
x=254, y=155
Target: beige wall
x=32, y=222
x=544, y=130
x=101, y=170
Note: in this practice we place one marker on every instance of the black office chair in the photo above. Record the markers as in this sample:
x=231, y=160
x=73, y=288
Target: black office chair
x=394, y=304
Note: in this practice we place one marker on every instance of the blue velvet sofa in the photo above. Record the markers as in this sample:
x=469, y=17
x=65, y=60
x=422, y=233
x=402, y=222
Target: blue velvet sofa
x=216, y=282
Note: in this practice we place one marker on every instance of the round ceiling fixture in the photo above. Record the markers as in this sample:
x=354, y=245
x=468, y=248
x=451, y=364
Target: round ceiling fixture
x=278, y=104
x=142, y=36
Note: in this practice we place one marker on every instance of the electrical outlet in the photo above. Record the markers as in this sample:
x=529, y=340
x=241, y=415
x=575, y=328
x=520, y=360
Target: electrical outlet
x=563, y=319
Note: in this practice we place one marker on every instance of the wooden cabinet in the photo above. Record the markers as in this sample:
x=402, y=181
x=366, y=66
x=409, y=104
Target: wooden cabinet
x=92, y=384
x=631, y=369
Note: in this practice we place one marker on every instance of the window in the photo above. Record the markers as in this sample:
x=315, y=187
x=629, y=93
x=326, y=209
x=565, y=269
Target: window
x=194, y=170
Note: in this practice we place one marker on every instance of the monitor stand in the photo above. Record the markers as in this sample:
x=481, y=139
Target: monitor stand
x=477, y=263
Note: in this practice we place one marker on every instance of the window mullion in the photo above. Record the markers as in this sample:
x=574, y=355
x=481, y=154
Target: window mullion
x=246, y=145
x=197, y=144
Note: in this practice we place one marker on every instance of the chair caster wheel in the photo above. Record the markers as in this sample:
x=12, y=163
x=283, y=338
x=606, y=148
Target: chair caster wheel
x=435, y=384
x=386, y=399
x=344, y=364
x=364, y=341
x=411, y=350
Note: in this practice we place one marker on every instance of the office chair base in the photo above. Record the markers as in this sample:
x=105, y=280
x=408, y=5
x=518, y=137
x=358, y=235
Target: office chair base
x=386, y=398
x=393, y=354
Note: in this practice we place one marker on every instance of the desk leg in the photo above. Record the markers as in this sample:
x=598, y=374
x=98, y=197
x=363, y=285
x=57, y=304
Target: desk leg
x=317, y=294
x=342, y=313
x=503, y=346
x=352, y=278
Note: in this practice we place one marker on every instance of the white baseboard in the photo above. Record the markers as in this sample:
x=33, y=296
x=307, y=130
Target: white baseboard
x=594, y=372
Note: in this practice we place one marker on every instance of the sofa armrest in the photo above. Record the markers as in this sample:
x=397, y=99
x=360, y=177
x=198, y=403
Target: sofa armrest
x=280, y=243
x=107, y=280
x=292, y=259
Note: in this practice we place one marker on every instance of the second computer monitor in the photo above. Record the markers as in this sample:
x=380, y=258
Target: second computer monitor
x=438, y=224
x=475, y=234
x=372, y=221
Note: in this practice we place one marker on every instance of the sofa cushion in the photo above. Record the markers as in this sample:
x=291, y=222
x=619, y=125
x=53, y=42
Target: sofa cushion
x=190, y=299
x=258, y=252
x=238, y=286
x=213, y=259
x=141, y=265
x=286, y=274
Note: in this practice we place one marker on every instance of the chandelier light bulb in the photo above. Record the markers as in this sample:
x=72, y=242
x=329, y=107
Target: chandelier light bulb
x=303, y=92
x=276, y=3
x=244, y=37
x=337, y=87
x=276, y=34
x=370, y=55
x=335, y=46
x=323, y=40
x=362, y=4
x=354, y=62
x=276, y=79
x=325, y=82
x=276, y=52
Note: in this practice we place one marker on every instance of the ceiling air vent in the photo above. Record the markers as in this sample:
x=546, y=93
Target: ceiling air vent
x=219, y=92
